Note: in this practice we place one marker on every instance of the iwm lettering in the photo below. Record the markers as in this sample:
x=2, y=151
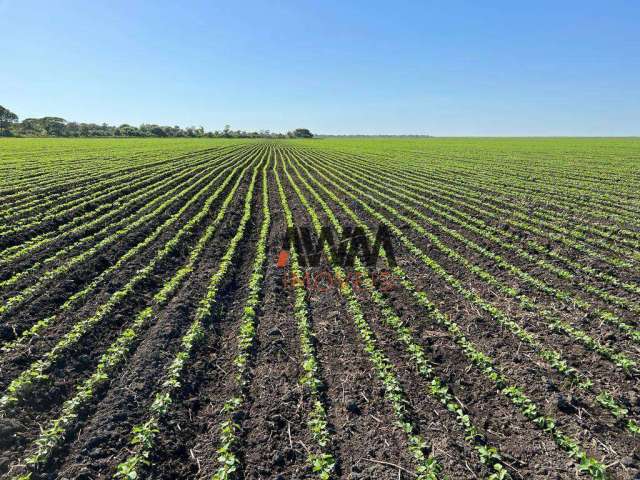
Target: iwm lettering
x=351, y=244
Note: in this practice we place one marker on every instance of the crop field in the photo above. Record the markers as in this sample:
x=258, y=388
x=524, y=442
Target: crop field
x=330, y=308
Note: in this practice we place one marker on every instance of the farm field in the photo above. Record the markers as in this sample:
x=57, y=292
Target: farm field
x=155, y=321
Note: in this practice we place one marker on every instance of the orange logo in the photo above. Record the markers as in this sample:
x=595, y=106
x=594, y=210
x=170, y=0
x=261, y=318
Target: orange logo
x=283, y=258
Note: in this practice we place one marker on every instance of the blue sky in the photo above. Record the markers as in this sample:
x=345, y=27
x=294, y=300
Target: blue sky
x=421, y=67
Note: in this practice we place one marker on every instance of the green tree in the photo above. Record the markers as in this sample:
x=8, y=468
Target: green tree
x=54, y=126
x=302, y=133
x=31, y=126
x=7, y=118
x=158, y=131
x=126, y=130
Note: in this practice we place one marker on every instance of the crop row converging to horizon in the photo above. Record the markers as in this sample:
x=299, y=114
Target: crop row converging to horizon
x=165, y=310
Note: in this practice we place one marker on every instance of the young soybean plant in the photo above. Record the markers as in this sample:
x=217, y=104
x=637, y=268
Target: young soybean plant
x=117, y=353
x=488, y=455
x=144, y=434
x=320, y=459
x=484, y=363
x=428, y=468
x=229, y=429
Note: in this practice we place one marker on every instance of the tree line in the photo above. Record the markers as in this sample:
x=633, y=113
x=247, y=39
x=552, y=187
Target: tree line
x=59, y=127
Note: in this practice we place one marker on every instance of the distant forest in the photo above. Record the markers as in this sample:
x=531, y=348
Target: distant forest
x=59, y=127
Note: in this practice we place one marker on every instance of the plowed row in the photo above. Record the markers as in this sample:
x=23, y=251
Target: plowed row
x=148, y=331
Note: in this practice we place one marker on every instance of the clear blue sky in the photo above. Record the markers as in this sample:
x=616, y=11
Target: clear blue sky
x=427, y=67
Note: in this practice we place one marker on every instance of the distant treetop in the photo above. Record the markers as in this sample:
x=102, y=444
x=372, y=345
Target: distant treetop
x=59, y=127
x=7, y=118
x=300, y=133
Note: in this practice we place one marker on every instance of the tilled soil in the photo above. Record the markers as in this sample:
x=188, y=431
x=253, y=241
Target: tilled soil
x=276, y=438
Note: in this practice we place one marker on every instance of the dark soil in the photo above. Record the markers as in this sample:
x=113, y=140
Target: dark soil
x=275, y=439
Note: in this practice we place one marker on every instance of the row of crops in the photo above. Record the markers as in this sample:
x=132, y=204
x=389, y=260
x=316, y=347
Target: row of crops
x=149, y=326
